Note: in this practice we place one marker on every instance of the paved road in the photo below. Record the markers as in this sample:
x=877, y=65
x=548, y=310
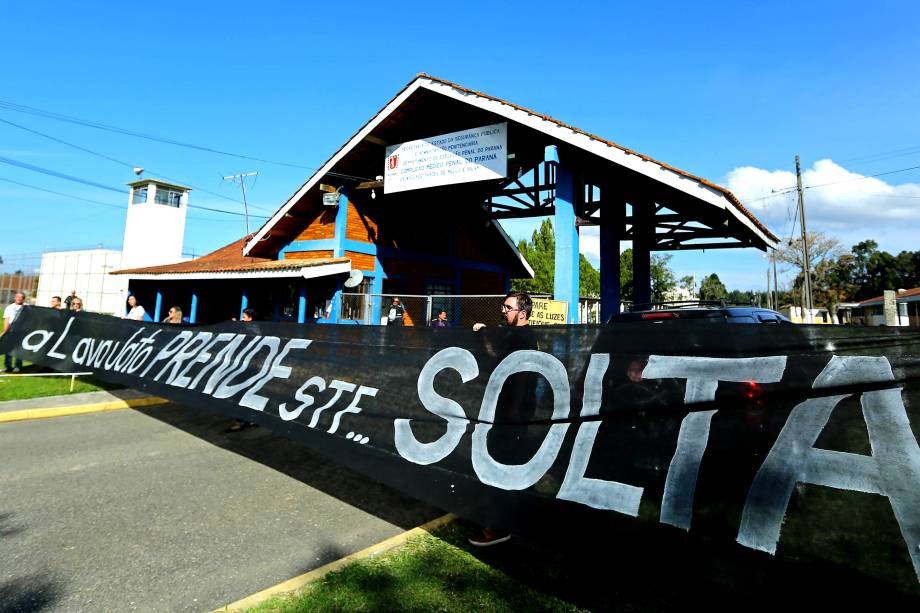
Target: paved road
x=159, y=510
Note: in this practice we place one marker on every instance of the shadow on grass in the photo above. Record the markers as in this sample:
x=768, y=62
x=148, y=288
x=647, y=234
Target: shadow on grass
x=425, y=575
x=296, y=461
x=664, y=569
x=29, y=594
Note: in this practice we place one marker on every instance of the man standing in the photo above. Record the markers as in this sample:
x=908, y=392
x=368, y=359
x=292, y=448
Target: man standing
x=395, y=313
x=9, y=316
x=441, y=321
x=69, y=299
x=55, y=302
x=516, y=309
x=518, y=406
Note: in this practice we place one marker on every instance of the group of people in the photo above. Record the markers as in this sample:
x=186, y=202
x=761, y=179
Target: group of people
x=396, y=315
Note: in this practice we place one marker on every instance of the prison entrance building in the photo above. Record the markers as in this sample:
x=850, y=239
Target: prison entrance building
x=411, y=203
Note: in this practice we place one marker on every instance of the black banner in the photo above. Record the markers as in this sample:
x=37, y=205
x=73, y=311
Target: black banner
x=718, y=429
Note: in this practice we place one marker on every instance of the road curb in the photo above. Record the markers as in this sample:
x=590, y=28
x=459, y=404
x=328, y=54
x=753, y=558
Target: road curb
x=79, y=409
x=299, y=582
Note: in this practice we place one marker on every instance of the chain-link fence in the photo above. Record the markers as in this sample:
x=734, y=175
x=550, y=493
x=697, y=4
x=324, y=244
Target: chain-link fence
x=19, y=273
x=464, y=311
x=43, y=275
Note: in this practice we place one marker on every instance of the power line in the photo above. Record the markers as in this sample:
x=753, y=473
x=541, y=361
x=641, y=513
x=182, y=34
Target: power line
x=59, y=175
x=22, y=108
x=122, y=162
x=789, y=190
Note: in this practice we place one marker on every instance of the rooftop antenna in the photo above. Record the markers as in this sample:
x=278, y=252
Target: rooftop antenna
x=242, y=179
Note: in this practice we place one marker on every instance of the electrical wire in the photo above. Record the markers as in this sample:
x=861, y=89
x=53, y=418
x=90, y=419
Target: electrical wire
x=22, y=108
x=126, y=164
x=92, y=184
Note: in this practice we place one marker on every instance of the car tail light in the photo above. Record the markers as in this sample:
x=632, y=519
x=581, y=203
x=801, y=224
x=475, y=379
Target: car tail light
x=659, y=315
x=751, y=389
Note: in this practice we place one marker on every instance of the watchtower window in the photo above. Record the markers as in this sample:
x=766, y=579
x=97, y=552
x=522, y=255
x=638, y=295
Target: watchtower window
x=140, y=195
x=169, y=197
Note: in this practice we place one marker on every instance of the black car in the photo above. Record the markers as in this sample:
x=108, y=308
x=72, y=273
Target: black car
x=711, y=311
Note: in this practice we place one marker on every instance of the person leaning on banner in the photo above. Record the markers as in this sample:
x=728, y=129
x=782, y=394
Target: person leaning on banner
x=395, y=313
x=248, y=315
x=174, y=317
x=517, y=401
x=56, y=302
x=134, y=310
x=10, y=314
x=76, y=304
x=441, y=320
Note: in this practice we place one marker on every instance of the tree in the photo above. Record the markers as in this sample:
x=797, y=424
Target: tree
x=540, y=252
x=711, y=288
x=824, y=252
x=663, y=279
x=688, y=283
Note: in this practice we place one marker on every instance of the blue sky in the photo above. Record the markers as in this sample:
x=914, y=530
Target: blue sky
x=722, y=90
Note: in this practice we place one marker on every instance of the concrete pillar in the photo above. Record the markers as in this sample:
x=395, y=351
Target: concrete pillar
x=158, y=307
x=193, y=312
x=643, y=241
x=613, y=220
x=566, y=277
x=891, y=308
x=302, y=303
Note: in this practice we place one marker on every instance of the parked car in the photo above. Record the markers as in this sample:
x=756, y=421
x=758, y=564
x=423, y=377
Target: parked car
x=714, y=311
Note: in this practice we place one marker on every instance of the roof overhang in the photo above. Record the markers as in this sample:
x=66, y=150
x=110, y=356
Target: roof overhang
x=691, y=188
x=305, y=272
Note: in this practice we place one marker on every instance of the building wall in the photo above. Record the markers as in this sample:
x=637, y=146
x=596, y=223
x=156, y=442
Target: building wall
x=360, y=226
x=153, y=232
x=361, y=261
x=322, y=226
x=87, y=272
x=308, y=255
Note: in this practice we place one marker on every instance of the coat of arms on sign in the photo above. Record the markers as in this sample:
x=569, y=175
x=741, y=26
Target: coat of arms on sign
x=393, y=161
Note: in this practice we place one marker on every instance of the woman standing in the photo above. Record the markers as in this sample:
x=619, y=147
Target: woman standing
x=135, y=311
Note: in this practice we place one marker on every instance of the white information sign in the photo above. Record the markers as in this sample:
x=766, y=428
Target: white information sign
x=459, y=157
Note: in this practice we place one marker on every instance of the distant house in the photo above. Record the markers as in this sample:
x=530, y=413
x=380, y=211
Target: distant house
x=871, y=312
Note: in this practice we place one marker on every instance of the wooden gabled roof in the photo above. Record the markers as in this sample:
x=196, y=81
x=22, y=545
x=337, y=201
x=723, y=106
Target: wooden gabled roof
x=480, y=106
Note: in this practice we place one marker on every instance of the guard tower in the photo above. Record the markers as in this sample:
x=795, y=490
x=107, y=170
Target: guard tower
x=155, y=225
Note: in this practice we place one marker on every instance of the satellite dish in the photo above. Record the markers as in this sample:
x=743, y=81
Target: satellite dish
x=354, y=278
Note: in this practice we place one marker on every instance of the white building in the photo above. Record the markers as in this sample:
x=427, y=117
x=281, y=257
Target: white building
x=154, y=231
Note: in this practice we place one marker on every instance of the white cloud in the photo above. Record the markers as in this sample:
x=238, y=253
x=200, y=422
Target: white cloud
x=838, y=202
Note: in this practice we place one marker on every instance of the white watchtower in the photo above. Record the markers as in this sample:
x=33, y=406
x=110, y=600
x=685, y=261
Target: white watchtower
x=155, y=225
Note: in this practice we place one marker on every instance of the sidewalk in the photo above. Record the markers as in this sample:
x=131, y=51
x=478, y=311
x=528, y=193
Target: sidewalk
x=53, y=406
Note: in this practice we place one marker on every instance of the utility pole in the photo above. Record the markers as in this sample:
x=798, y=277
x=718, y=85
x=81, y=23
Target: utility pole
x=807, y=302
x=769, y=295
x=242, y=178
x=775, y=285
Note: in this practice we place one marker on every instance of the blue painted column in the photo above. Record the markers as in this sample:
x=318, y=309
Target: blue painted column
x=643, y=240
x=613, y=225
x=341, y=226
x=158, y=307
x=567, y=272
x=244, y=303
x=193, y=312
x=302, y=304
x=338, y=251
x=376, y=290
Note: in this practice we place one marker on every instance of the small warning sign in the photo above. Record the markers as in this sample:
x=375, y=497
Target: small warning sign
x=546, y=312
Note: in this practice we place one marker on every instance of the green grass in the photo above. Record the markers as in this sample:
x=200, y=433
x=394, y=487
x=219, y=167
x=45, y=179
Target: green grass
x=430, y=573
x=22, y=388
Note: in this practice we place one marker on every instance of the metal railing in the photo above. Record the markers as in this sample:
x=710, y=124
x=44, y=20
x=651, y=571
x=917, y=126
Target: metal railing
x=421, y=310
x=73, y=376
